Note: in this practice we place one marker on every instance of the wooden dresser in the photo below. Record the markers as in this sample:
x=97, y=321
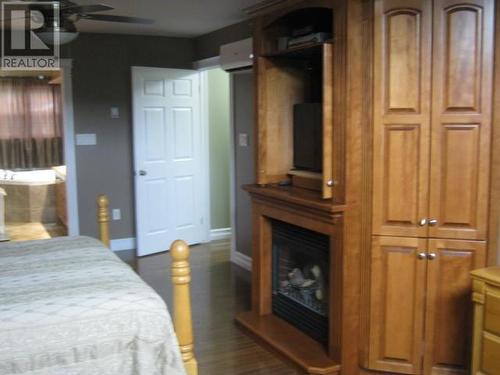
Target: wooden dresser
x=486, y=340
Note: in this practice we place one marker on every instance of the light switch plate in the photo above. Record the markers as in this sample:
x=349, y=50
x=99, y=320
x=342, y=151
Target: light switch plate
x=114, y=112
x=116, y=213
x=243, y=139
x=86, y=139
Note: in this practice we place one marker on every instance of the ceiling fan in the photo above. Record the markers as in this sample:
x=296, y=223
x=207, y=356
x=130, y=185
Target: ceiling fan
x=69, y=14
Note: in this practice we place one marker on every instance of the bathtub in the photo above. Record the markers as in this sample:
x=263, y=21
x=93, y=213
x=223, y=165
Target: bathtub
x=36, y=176
x=30, y=195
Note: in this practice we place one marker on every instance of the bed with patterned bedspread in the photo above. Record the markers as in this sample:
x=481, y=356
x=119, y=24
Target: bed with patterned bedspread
x=70, y=306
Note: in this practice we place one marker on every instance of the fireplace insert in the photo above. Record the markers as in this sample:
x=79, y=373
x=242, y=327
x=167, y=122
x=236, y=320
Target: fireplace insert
x=300, y=278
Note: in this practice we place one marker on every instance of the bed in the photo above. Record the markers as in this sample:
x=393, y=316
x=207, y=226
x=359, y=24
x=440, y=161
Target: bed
x=68, y=305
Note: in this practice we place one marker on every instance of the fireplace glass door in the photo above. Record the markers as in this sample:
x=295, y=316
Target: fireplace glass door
x=300, y=278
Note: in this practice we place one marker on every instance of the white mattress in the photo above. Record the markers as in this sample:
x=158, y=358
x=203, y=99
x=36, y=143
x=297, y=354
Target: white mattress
x=70, y=306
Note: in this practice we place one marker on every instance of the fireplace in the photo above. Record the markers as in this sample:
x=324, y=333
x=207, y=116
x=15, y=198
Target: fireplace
x=300, y=278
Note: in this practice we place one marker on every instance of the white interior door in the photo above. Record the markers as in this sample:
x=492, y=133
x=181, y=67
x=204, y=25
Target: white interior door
x=167, y=157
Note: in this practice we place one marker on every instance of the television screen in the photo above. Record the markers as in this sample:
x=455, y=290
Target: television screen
x=308, y=136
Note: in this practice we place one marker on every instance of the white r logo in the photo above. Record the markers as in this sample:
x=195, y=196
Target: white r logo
x=18, y=29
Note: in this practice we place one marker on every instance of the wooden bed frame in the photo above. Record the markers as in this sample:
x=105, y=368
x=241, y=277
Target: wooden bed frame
x=181, y=278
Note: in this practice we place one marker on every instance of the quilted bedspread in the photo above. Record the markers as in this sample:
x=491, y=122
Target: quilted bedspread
x=70, y=306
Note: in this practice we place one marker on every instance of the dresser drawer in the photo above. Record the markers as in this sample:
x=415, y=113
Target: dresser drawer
x=490, y=361
x=492, y=312
x=486, y=338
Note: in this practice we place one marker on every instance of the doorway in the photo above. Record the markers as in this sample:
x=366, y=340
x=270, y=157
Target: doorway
x=199, y=210
x=168, y=158
x=217, y=93
x=243, y=164
x=33, y=153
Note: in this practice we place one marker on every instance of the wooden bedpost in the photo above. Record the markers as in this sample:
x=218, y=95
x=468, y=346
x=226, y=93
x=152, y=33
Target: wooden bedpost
x=103, y=218
x=183, y=324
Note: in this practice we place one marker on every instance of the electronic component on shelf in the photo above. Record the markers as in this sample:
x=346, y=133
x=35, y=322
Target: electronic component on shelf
x=309, y=38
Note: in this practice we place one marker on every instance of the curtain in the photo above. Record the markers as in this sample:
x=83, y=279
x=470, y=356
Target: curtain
x=30, y=124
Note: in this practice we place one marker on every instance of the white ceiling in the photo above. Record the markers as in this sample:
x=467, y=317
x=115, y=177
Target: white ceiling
x=183, y=18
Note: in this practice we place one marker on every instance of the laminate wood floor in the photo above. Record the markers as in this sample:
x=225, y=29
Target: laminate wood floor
x=220, y=289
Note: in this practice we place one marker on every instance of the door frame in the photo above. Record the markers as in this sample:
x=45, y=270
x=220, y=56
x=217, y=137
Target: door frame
x=204, y=66
x=66, y=66
x=205, y=148
x=204, y=154
x=236, y=257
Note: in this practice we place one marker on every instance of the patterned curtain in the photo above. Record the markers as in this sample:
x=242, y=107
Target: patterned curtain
x=30, y=124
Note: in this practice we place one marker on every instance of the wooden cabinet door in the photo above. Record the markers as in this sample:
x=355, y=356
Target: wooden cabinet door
x=449, y=305
x=402, y=48
x=462, y=95
x=397, y=304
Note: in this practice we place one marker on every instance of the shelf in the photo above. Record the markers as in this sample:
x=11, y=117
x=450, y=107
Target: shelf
x=306, y=174
x=303, y=351
x=307, y=200
x=303, y=51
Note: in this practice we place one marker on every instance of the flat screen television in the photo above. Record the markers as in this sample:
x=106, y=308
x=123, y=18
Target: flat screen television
x=308, y=137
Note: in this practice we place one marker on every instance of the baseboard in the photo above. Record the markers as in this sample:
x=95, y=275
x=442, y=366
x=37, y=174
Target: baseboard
x=220, y=234
x=241, y=260
x=123, y=244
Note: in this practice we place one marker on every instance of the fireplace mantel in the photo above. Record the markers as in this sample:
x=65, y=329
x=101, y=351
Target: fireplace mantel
x=296, y=200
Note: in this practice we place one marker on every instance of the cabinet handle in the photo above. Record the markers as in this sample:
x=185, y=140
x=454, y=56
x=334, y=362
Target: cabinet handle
x=422, y=222
x=431, y=256
x=433, y=222
x=421, y=256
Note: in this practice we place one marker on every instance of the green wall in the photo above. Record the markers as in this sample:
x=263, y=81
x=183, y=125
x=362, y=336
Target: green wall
x=218, y=108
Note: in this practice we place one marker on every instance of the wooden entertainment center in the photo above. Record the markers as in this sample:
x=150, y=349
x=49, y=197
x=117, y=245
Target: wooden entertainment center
x=407, y=193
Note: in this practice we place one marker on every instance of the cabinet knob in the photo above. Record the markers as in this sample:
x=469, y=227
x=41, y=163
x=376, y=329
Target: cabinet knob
x=431, y=256
x=433, y=222
x=422, y=222
x=330, y=183
x=421, y=256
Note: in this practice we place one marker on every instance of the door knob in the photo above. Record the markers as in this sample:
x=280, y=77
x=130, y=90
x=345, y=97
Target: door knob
x=431, y=256
x=422, y=222
x=142, y=173
x=421, y=256
x=433, y=222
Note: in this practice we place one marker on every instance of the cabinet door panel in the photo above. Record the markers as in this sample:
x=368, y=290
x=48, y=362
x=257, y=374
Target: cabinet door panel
x=397, y=304
x=449, y=306
x=401, y=117
x=462, y=92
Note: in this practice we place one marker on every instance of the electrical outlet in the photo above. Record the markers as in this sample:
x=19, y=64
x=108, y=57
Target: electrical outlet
x=117, y=214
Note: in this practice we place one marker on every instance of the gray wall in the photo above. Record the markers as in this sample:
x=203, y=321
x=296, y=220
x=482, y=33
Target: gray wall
x=101, y=79
x=243, y=114
x=208, y=45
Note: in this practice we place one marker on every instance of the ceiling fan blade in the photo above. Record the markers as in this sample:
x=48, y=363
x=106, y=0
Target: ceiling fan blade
x=111, y=18
x=84, y=9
